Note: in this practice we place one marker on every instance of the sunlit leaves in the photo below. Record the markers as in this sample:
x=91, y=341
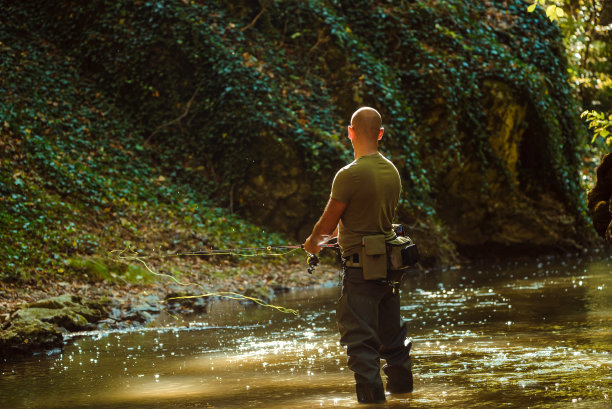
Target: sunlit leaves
x=600, y=124
x=553, y=12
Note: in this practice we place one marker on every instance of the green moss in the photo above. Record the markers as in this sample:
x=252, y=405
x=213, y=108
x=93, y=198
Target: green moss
x=107, y=269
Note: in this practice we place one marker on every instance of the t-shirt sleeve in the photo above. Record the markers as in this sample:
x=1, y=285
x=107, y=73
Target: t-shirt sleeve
x=342, y=187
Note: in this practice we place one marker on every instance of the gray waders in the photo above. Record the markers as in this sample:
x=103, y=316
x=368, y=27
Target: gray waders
x=371, y=328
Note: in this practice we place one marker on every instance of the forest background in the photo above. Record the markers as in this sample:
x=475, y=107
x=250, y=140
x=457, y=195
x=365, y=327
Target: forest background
x=172, y=126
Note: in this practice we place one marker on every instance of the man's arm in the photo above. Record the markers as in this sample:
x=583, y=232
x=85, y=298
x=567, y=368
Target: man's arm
x=326, y=226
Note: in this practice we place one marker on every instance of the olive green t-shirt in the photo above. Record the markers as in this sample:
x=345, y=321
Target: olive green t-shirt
x=370, y=186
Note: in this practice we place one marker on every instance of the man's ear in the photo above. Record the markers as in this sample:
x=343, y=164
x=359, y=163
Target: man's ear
x=380, y=133
x=351, y=132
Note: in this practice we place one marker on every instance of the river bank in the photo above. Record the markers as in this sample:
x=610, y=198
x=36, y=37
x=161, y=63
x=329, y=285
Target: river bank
x=35, y=317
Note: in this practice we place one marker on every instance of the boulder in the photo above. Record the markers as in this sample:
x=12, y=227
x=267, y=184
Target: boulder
x=61, y=317
x=28, y=336
x=599, y=199
x=39, y=325
x=66, y=311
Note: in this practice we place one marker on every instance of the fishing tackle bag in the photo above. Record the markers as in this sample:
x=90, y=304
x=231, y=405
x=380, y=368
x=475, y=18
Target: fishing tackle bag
x=378, y=256
x=402, y=253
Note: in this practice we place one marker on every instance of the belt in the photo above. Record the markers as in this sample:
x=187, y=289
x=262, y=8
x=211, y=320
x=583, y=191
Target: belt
x=352, y=261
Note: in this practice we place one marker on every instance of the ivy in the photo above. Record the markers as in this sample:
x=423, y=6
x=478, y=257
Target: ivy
x=125, y=109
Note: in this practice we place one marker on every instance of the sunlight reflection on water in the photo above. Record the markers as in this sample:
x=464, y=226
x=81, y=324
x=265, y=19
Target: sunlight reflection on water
x=531, y=334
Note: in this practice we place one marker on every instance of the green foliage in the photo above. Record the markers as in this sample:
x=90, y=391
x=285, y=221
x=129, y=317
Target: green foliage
x=601, y=126
x=589, y=49
x=118, y=115
x=589, y=52
x=75, y=180
x=301, y=70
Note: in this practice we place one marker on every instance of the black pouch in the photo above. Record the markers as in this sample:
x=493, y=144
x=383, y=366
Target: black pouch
x=410, y=255
x=402, y=253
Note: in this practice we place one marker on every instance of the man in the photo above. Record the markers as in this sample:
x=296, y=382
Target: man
x=363, y=199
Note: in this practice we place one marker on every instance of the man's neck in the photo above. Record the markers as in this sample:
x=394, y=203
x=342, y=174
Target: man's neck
x=364, y=152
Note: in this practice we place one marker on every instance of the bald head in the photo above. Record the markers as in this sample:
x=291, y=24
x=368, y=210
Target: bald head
x=367, y=122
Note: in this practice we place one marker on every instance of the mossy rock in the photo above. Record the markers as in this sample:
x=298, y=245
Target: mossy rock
x=27, y=336
x=62, y=317
x=38, y=326
x=67, y=311
x=62, y=301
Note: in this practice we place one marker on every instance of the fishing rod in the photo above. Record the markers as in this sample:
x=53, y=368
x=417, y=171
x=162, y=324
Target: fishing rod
x=236, y=251
x=312, y=260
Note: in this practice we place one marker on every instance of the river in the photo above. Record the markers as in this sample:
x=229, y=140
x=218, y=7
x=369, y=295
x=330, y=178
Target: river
x=519, y=334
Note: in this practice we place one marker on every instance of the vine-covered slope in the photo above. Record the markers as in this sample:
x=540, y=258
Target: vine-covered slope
x=114, y=106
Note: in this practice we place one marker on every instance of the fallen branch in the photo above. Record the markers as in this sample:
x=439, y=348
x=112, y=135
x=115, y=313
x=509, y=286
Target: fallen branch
x=176, y=120
x=263, y=8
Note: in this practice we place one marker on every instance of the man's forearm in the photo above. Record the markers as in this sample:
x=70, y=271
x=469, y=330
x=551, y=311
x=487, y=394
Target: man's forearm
x=326, y=226
x=321, y=232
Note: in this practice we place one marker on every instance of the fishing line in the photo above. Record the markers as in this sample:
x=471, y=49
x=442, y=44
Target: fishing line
x=130, y=255
x=253, y=252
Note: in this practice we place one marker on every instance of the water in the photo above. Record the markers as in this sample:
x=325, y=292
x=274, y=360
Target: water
x=530, y=334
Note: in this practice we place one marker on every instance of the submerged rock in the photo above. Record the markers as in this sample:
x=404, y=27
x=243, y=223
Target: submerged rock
x=600, y=199
x=186, y=302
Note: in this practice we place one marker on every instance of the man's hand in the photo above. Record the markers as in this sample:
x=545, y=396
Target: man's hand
x=314, y=247
x=326, y=226
x=309, y=246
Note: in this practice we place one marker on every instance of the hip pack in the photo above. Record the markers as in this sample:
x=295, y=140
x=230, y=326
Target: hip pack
x=378, y=256
x=402, y=253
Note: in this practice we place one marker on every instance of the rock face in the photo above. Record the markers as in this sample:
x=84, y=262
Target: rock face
x=507, y=203
x=277, y=190
x=39, y=326
x=600, y=199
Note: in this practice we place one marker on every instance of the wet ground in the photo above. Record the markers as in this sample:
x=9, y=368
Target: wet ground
x=534, y=334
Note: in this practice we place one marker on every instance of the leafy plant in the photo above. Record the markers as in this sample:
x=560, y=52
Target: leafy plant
x=553, y=12
x=600, y=124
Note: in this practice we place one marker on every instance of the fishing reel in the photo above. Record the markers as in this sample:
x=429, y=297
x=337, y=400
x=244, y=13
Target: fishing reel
x=313, y=259
x=313, y=262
